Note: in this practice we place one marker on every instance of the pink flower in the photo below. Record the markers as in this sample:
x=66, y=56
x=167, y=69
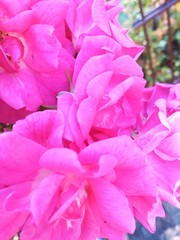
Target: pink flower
x=107, y=83
x=158, y=136
x=63, y=193
x=98, y=18
x=34, y=55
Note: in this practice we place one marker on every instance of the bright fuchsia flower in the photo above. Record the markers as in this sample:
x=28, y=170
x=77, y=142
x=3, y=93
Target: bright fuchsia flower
x=92, y=88
x=159, y=137
x=96, y=18
x=157, y=133
x=34, y=62
x=143, y=200
x=108, y=84
x=65, y=194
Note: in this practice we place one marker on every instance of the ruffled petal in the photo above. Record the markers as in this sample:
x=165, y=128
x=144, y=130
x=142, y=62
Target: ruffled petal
x=61, y=160
x=45, y=128
x=113, y=207
x=42, y=48
x=22, y=154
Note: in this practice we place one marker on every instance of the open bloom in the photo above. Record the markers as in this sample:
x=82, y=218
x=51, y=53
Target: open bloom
x=54, y=190
x=158, y=135
x=153, y=127
x=97, y=18
x=35, y=60
x=109, y=84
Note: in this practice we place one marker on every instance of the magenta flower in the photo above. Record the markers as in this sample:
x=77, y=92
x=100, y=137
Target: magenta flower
x=97, y=18
x=89, y=18
x=158, y=136
x=91, y=189
x=76, y=205
x=112, y=92
x=34, y=61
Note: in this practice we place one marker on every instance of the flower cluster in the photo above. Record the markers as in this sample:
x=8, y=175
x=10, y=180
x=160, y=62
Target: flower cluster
x=109, y=150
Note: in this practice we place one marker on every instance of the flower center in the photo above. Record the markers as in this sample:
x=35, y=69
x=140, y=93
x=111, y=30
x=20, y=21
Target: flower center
x=11, y=51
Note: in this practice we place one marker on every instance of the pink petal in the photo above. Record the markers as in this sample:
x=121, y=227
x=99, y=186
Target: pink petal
x=82, y=19
x=61, y=160
x=97, y=45
x=146, y=209
x=45, y=128
x=113, y=9
x=167, y=177
x=99, y=16
x=68, y=206
x=17, y=199
x=89, y=226
x=88, y=72
x=42, y=48
x=97, y=86
x=11, y=115
x=95, y=90
x=137, y=180
x=22, y=154
x=152, y=138
x=127, y=65
x=85, y=120
x=67, y=104
x=43, y=231
x=20, y=90
x=169, y=148
x=128, y=46
x=11, y=91
x=168, y=197
x=104, y=167
x=113, y=207
x=18, y=23
x=59, y=77
x=42, y=199
x=173, y=120
x=52, y=13
x=122, y=148
x=18, y=6
x=10, y=221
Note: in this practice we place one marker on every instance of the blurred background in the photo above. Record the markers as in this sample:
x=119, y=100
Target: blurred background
x=156, y=25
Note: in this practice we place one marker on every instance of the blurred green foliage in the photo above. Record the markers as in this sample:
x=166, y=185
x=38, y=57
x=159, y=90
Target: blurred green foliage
x=158, y=35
